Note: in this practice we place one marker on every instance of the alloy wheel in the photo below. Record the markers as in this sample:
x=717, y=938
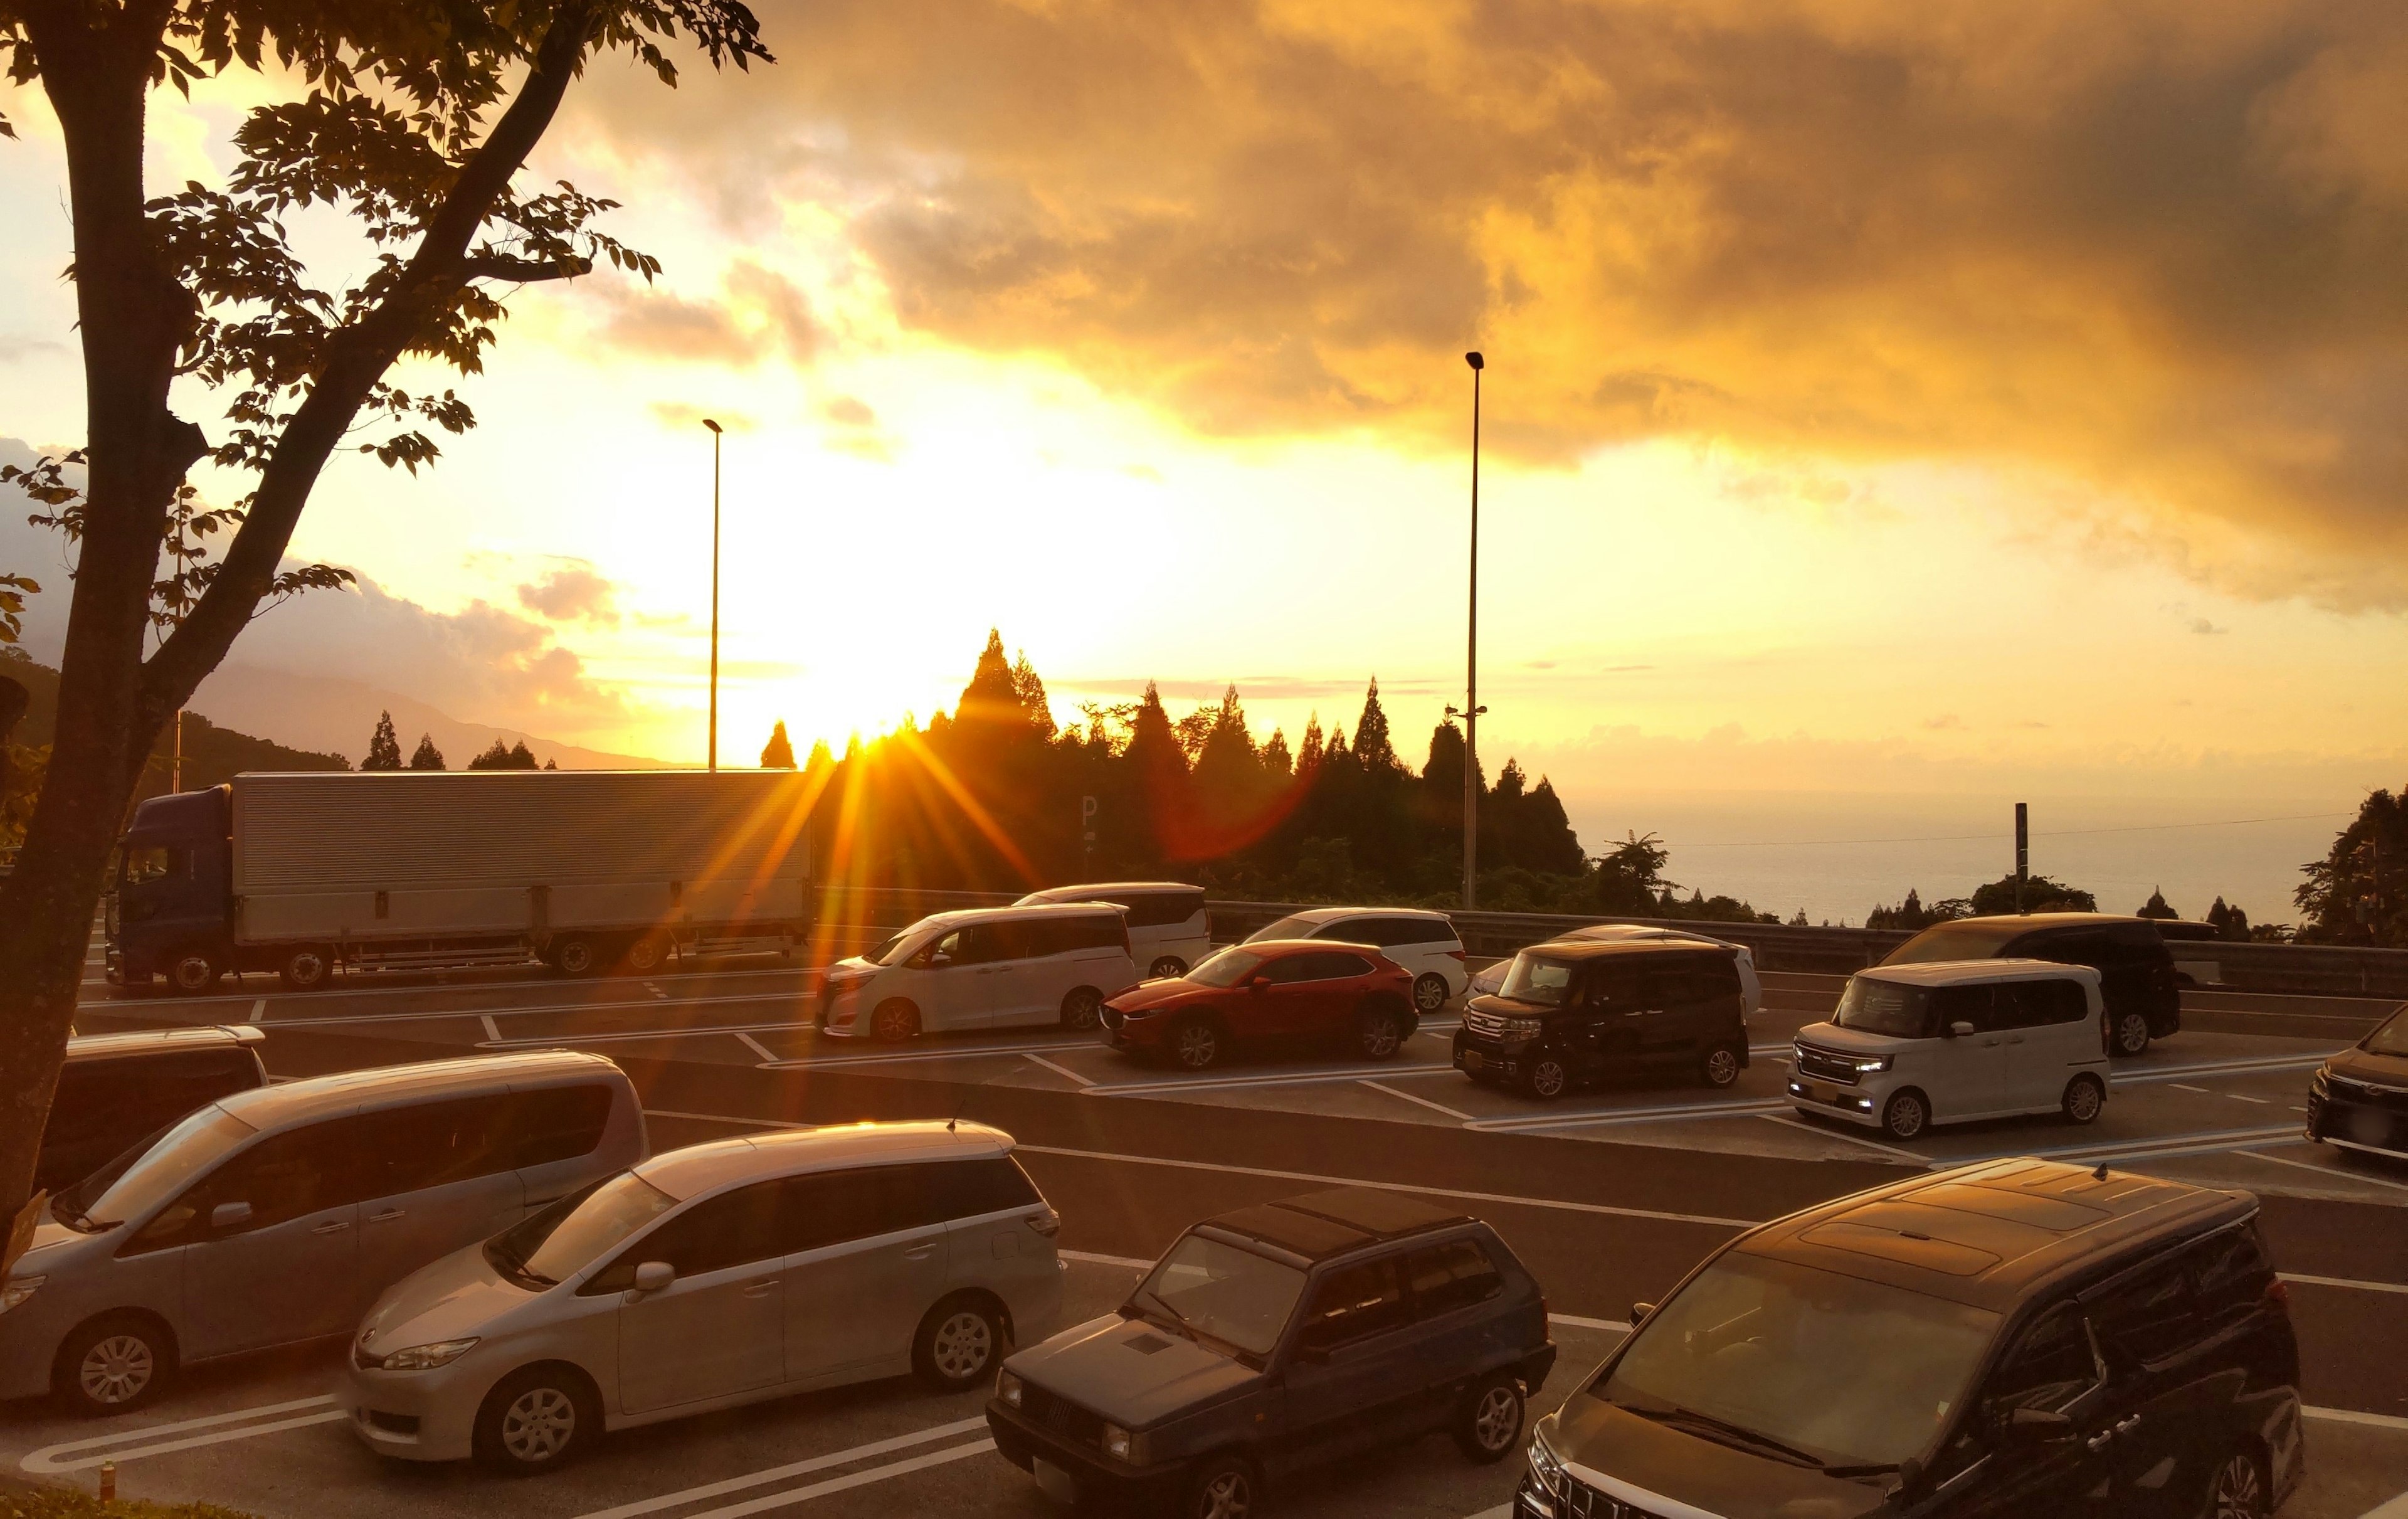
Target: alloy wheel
x=1722, y=1068
x=963, y=1345
x=1497, y=1419
x=1429, y=992
x=1168, y=966
x=1082, y=1010
x=2132, y=1033
x=538, y=1425
x=2240, y=1492
x=1379, y=1037
x=1198, y=1046
x=894, y=1022
x=1228, y=1495
x=2081, y=1101
x=1548, y=1078
x=1905, y=1116
x=117, y=1369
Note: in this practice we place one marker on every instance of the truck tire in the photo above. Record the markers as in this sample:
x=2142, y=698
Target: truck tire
x=306, y=968
x=645, y=955
x=575, y=957
x=194, y=973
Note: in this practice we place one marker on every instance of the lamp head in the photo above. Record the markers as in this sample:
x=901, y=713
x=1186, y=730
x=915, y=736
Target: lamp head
x=1474, y=360
x=712, y=426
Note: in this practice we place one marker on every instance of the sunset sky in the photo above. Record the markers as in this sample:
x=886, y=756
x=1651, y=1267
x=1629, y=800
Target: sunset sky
x=1956, y=401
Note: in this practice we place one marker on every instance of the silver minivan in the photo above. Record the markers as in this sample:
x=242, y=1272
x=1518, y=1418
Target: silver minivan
x=983, y=968
x=278, y=1214
x=708, y=1277
x=1170, y=928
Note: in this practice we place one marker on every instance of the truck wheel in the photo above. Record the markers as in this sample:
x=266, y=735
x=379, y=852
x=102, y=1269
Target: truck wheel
x=574, y=957
x=306, y=968
x=194, y=973
x=645, y=955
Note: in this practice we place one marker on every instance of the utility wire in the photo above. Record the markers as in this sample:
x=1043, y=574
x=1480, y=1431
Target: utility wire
x=2045, y=833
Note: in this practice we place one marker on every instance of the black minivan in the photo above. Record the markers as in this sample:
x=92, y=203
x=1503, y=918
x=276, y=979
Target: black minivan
x=2136, y=970
x=1573, y=1011
x=117, y=1089
x=2015, y=1338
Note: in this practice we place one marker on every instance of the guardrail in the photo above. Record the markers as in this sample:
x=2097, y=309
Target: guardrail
x=2298, y=969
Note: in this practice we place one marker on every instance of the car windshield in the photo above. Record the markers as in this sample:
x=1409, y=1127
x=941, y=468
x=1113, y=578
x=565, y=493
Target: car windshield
x=1299, y=926
x=2389, y=1037
x=1227, y=968
x=1970, y=939
x=1219, y=1290
x=1845, y=1370
x=1537, y=978
x=578, y=1229
x=152, y=1171
x=887, y=953
x=1885, y=1007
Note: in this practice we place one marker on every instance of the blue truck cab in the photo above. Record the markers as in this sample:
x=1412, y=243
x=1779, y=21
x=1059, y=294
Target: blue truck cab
x=171, y=892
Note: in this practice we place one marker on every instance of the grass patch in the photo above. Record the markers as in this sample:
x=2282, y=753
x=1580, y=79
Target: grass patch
x=74, y=1503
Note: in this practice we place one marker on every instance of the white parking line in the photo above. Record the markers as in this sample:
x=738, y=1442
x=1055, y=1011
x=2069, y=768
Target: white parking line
x=125, y=1445
x=2351, y=1282
x=794, y=1469
x=768, y=1055
x=2254, y=1066
x=259, y=1010
x=1557, y=1203
x=907, y=1056
x=1890, y=1150
x=846, y=1482
x=1594, y=1117
x=1060, y=1070
x=1434, y=1107
x=1227, y=1083
x=2326, y=1172
x=2186, y=1086
x=625, y=1035
x=492, y=1029
x=2396, y=1508
x=2371, y=1420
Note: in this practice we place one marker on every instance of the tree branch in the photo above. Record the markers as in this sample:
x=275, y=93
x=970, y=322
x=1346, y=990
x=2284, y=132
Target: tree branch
x=522, y=271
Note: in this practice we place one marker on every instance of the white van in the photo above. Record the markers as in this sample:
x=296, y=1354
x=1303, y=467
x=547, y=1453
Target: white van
x=1168, y=931
x=1422, y=942
x=1914, y=1045
x=982, y=967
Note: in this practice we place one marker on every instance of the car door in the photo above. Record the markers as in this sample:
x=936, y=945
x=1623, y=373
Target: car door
x=1022, y=976
x=1990, y=1471
x=958, y=988
x=289, y=1270
x=2173, y=1395
x=866, y=1256
x=1604, y=1008
x=717, y=1331
x=1354, y=1371
x=1674, y=1006
x=1970, y=1069
x=2049, y=1033
x=1284, y=1009
x=1451, y=1281
x=437, y=1176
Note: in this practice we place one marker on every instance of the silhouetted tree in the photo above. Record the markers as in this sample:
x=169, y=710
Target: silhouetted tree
x=2354, y=894
x=384, y=746
x=2040, y=895
x=516, y=757
x=2231, y=921
x=2155, y=906
x=426, y=756
x=1914, y=916
x=779, y=753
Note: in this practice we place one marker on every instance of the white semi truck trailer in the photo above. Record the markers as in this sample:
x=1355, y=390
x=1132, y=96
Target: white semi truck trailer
x=585, y=871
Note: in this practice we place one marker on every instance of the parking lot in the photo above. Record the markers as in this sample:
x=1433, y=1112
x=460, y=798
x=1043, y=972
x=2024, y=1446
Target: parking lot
x=1609, y=1194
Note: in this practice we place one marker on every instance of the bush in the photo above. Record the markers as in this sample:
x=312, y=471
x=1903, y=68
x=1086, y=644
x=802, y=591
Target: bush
x=30, y=1502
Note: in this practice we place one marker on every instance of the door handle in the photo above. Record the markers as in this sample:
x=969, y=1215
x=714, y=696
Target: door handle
x=2126, y=1425
x=333, y=1226
x=2100, y=1440
x=386, y=1216
x=760, y=1289
x=922, y=1253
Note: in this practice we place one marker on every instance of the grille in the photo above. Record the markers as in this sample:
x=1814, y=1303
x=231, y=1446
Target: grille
x=2390, y=1097
x=1485, y=1025
x=1823, y=1066
x=1059, y=1416
x=1581, y=1502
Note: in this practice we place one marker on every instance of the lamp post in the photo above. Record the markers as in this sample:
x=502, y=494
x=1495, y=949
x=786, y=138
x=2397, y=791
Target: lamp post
x=714, y=591
x=1471, y=708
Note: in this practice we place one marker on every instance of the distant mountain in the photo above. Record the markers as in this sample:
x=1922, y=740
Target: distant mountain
x=212, y=755
x=338, y=715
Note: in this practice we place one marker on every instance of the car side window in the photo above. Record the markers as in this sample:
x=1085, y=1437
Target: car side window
x=2230, y=1274
x=1965, y=1005
x=2037, y=1004
x=1332, y=965
x=433, y=1144
x=1093, y=933
x=2147, y=1318
x=1348, y=931
x=557, y=1123
x=968, y=1188
x=735, y=1228
x=1356, y=1302
x=1452, y=1275
x=1285, y=971
x=284, y=1177
x=2051, y=1364
x=970, y=946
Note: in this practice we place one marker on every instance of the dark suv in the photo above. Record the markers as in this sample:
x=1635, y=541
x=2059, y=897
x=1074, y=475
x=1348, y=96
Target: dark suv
x=1572, y=1011
x=2012, y=1338
x=118, y=1089
x=2359, y=1099
x=2136, y=970
x=1273, y=1338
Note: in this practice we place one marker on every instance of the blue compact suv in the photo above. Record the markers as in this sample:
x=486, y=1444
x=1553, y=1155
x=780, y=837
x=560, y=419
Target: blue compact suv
x=1273, y=1338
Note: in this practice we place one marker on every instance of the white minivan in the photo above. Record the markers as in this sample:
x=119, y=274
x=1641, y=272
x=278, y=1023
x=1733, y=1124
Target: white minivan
x=1422, y=942
x=982, y=967
x=1169, y=931
x=1914, y=1045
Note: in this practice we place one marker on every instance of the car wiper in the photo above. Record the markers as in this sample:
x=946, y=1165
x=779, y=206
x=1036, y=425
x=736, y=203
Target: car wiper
x=1177, y=1321
x=1732, y=1433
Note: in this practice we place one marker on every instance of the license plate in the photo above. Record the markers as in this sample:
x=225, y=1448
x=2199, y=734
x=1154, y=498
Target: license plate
x=1822, y=1092
x=1055, y=1482
x=1472, y=1060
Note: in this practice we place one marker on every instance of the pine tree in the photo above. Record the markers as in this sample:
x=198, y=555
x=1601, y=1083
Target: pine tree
x=1373, y=750
x=1308, y=758
x=1031, y=693
x=384, y=747
x=821, y=758
x=426, y=756
x=779, y=753
x=1277, y=763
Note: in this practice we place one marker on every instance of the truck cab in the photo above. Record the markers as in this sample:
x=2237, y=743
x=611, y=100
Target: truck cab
x=170, y=891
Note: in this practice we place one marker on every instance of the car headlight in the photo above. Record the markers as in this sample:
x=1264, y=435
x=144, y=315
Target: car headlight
x=1871, y=1064
x=427, y=1357
x=1522, y=1028
x=1546, y=1468
x=18, y=1289
x=2321, y=1083
x=1007, y=1387
x=1122, y=1445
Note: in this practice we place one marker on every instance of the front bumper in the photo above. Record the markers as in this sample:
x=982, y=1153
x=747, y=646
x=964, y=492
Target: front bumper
x=1860, y=1104
x=1147, y=1489
x=2357, y=1122
x=417, y=1415
x=1490, y=1060
x=1123, y=1031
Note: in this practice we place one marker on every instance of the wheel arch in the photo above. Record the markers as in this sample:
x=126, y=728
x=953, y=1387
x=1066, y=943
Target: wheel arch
x=172, y=1349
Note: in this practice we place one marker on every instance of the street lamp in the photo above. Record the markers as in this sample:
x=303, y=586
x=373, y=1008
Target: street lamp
x=1471, y=708
x=714, y=591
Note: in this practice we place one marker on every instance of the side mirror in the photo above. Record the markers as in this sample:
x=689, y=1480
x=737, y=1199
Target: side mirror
x=1639, y=1312
x=655, y=1276
x=1259, y=984
x=229, y=1215
x=2035, y=1427
x=1960, y=1029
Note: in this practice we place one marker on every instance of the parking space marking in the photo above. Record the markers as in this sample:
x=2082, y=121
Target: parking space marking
x=2396, y=1508
x=2154, y=1147
x=1595, y=1117
x=259, y=1010
x=1228, y=1083
x=1891, y=1150
x=2254, y=1066
x=492, y=1029
x=2326, y=1172
x=2262, y=1102
x=1558, y=1204
x=846, y=1482
x=794, y=1469
x=758, y=1048
x=144, y=1441
x=1061, y=1070
x=2371, y=1421
x=2351, y=1282
x=1089, y=1257
x=907, y=1056
x=1434, y=1107
x=627, y=1036
x=2186, y=1086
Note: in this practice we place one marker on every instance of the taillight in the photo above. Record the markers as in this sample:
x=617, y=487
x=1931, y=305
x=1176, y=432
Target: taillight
x=1048, y=1223
x=2279, y=1292
x=1454, y=955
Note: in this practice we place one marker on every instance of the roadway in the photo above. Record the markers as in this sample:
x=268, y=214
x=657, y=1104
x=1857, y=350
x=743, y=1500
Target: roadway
x=1609, y=1196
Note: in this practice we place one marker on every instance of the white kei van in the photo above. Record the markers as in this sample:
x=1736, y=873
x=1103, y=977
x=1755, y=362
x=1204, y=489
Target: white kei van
x=1422, y=942
x=982, y=967
x=1914, y=1045
x=1169, y=931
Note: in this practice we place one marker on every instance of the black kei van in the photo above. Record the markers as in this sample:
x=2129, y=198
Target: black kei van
x=117, y=1089
x=2012, y=1339
x=2136, y=970
x=1574, y=1011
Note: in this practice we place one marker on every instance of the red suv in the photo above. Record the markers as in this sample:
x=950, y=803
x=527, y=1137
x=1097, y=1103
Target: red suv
x=1291, y=989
